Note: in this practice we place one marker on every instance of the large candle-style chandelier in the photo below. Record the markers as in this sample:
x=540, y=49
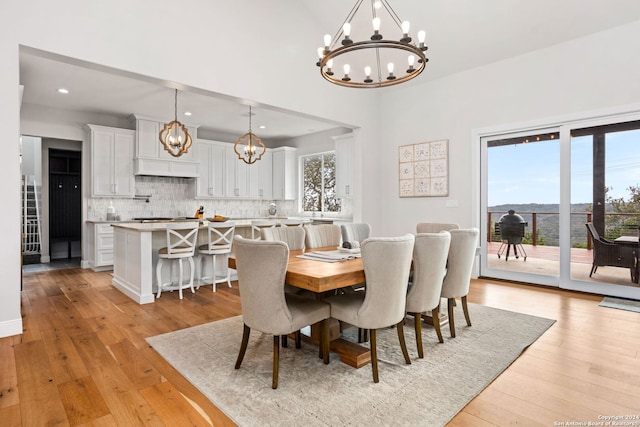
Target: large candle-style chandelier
x=174, y=136
x=374, y=61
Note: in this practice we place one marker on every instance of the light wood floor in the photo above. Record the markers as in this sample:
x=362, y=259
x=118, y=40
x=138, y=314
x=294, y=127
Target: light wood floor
x=83, y=359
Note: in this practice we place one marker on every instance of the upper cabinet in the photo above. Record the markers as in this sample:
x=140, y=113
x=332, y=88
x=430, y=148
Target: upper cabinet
x=112, y=152
x=284, y=173
x=152, y=159
x=260, y=177
x=212, y=181
x=344, y=165
x=224, y=175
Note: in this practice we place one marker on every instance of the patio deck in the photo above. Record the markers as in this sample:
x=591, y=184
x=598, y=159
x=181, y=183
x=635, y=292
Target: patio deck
x=546, y=260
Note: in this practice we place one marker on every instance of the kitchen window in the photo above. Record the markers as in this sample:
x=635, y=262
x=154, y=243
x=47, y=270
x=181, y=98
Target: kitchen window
x=319, y=183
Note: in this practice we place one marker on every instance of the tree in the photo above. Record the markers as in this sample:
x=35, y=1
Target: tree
x=630, y=209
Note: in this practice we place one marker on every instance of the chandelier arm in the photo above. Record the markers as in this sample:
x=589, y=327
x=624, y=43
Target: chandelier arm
x=392, y=13
x=378, y=61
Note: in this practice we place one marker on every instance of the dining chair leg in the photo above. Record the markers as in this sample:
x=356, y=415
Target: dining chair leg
x=452, y=326
x=243, y=346
x=276, y=361
x=403, y=343
x=435, y=315
x=324, y=341
x=374, y=355
x=298, y=339
x=285, y=342
x=465, y=309
x=418, y=328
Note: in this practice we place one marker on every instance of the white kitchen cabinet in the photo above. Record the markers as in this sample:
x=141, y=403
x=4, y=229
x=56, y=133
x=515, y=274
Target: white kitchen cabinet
x=237, y=185
x=284, y=163
x=260, y=177
x=344, y=165
x=152, y=159
x=212, y=180
x=112, y=153
x=100, y=242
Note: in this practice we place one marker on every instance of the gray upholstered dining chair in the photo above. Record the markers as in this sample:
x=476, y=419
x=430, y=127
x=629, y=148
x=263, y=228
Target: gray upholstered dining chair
x=435, y=227
x=292, y=236
x=430, y=253
x=322, y=235
x=387, y=261
x=355, y=232
x=462, y=252
x=262, y=266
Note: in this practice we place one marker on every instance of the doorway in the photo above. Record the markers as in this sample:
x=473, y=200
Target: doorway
x=65, y=204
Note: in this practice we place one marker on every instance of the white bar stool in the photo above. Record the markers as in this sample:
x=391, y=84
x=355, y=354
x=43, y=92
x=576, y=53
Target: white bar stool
x=219, y=240
x=258, y=225
x=181, y=244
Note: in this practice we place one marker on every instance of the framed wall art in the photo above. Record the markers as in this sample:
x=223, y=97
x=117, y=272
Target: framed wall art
x=424, y=169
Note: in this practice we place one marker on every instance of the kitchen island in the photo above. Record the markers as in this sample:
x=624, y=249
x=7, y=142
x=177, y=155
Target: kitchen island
x=135, y=255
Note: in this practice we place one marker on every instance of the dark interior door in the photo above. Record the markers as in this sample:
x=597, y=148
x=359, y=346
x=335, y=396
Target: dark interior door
x=65, y=197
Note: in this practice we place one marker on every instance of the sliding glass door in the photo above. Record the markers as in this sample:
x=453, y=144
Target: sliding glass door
x=605, y=207
x=521, y=206
x=575, y=191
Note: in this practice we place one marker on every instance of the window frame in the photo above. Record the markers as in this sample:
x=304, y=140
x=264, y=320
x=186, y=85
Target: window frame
x=301, y=187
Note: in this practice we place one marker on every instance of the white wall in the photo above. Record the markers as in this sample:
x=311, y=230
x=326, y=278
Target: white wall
x=591, y=73
x=32, y=158
x=126, y=35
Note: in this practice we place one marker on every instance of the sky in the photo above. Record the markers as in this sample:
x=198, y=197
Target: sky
x=530, y=173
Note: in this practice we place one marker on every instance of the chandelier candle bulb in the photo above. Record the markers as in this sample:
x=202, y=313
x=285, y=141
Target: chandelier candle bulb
x=346, y=29
x=390, y=69
x=329, y=65
x=346, y=69
x=405, y=32
x=421, y=37
x=327, y=43
x=411, y=60
x=376, y=29
x=367, y=73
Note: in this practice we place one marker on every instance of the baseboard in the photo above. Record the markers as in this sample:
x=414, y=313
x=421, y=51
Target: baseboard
x=45, y=259
x=85, y=264
x=10, y=328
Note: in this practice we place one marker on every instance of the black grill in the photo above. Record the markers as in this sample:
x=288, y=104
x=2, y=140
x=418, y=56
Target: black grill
x=511, y=228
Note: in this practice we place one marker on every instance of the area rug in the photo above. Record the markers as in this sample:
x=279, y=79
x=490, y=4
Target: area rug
x=621, y=304
x=428, y=392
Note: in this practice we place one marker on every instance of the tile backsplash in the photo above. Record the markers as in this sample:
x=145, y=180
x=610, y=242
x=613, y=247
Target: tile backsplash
x=174, y=197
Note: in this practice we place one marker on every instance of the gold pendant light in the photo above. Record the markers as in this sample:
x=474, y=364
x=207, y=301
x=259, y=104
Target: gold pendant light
x=249, y=147
x=174, y=136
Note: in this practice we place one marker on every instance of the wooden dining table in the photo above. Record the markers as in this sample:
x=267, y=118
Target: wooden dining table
x=324, y=278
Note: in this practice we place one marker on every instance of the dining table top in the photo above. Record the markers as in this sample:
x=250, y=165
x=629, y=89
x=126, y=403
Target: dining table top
x=318, y=276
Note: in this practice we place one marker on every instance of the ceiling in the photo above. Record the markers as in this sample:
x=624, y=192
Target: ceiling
x=461, y=35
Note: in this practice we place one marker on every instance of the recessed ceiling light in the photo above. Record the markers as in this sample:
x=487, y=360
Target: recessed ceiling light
x=187, y=113
x=263, y=127
x=63, y=90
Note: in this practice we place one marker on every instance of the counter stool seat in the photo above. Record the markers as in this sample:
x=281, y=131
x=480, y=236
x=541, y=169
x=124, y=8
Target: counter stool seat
x=181, y=245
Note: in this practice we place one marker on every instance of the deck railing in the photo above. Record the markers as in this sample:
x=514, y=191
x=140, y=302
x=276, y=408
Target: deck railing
x=533, y=224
